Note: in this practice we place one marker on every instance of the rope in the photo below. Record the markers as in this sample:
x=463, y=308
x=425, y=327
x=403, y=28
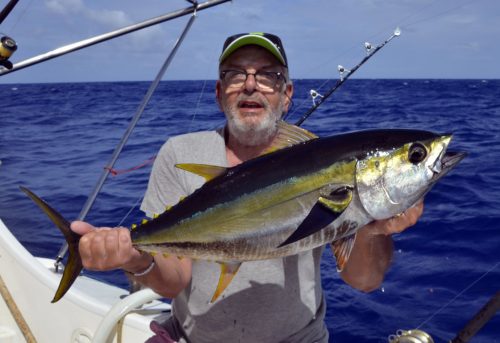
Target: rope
x=115, y=172
x=16, y=313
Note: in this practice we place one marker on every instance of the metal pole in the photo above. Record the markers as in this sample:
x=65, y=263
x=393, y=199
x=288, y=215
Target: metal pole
x=110, y=35
x=7, y=9
x=91, y=199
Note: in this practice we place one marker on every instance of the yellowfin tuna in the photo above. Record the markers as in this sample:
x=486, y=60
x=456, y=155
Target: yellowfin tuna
x=303, y=193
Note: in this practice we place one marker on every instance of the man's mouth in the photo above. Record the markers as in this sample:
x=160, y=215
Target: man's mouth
x=249, y=104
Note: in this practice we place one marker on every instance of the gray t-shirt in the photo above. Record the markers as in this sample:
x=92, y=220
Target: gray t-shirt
x=278, y=300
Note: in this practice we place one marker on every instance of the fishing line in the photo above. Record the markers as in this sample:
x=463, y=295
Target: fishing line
x=441, y=13
x=24, y=10
x=130, y=211
x=458, y=295
x=202, y=92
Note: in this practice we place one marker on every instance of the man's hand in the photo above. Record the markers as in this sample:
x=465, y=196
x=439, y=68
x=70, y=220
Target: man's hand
x=396, y=224
x=107, y=248
x=372, y=252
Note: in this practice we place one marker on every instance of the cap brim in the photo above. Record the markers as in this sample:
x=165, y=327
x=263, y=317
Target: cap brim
x=252, y=40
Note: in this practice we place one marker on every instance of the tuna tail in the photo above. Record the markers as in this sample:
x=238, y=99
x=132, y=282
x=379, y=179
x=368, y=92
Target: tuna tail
x=74, y=265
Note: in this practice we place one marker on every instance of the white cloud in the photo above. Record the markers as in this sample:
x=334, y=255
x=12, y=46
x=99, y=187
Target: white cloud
x=64, y=6
x=105, y=17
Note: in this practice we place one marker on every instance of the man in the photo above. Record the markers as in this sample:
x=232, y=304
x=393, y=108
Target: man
x=277, y=300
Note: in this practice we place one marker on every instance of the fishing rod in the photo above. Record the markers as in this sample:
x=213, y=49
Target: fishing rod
x=7, y=45
x=482, y=317
x=105, y=173
x=345, y=74
x=7, y=9
x=110, y=35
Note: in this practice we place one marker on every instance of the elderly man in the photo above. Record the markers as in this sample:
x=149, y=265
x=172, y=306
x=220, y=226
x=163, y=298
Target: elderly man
x=278, y=300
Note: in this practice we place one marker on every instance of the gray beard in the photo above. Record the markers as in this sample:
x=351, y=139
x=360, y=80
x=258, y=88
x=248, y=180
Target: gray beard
x=253, y=134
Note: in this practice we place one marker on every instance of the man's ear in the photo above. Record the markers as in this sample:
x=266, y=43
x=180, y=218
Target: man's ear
x=288, y=95
x=218, y=94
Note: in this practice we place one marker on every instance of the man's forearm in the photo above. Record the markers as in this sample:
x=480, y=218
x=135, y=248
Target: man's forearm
x=370, y=258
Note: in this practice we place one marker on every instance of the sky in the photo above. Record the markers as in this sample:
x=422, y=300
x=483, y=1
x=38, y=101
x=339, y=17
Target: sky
x=440, y=38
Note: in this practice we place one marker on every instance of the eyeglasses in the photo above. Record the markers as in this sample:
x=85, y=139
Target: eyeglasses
x=266, y=80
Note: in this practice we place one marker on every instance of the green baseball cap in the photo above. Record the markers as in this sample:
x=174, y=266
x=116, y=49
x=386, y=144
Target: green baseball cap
x=268, y=41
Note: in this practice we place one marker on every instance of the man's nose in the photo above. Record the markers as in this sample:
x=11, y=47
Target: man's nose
x=250, y=83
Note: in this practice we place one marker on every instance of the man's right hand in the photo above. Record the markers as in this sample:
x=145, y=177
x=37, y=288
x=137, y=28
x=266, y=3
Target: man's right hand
x=109, y=248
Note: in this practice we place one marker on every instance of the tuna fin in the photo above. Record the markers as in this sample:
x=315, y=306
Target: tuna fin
x=342, y=250
x=325, y=211
x=204, y=170
x=74, y=265
x=227, y=272
x=289, y=135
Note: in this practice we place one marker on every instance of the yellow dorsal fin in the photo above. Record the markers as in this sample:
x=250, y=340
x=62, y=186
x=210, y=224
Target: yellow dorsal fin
x=289, y=135
x=133, y=227
x=144, y=221
x=204, y=170
x=155, y=215
x=227, y=272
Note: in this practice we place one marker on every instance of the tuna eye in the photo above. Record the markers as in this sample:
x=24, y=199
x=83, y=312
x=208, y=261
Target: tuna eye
x=417, y=153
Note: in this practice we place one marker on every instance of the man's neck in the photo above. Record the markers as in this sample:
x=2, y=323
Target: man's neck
x=237, y=153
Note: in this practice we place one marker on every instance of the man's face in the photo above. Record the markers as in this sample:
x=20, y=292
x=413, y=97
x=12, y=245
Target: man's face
x=252, y=111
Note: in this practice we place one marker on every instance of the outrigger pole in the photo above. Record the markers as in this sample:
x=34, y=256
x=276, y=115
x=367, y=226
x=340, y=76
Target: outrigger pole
x=370, y=51
x=97, y=188
x=113, y=34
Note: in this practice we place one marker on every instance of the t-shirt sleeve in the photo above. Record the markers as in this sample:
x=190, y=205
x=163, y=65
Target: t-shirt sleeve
x=167, y=183
x=165, y=186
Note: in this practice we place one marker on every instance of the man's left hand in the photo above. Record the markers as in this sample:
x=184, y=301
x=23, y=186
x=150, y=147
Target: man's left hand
x=396, y=224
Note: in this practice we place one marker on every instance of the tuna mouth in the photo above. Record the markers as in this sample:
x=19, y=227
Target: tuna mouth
x=451, y=159
x=448, y=162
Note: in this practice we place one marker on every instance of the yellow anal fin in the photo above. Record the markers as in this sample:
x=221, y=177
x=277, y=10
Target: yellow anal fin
x=204, y=170
x=342, y=250
x=227, y=272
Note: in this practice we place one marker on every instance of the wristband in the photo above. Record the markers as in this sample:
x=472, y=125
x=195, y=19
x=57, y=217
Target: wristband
x=147, y=270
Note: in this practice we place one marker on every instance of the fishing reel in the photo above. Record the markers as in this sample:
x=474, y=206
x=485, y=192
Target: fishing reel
x=7, y=47
x=410, y=336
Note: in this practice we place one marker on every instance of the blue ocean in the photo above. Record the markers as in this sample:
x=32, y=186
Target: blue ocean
x=57, y=138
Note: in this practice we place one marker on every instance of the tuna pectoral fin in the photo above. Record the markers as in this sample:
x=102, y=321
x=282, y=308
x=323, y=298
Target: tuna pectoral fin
x=227, y=272
x=74, y=265
x=324, y=212
x=342, y=250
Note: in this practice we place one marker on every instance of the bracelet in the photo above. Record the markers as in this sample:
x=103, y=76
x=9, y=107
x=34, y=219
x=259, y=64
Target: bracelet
x=147, y=270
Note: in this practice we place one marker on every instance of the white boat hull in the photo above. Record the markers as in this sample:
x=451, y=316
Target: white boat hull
x=87, y=313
